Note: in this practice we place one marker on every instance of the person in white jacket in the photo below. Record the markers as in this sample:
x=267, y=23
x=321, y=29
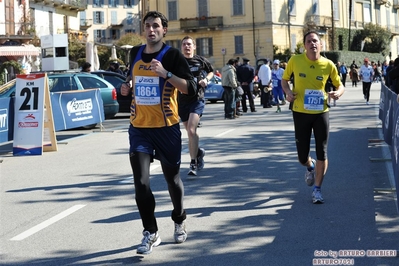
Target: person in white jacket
x=265, y=78
x=366, y=76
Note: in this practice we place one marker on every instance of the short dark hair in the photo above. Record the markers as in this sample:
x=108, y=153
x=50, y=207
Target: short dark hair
x=232, y=61
x=187, y=37
x=156, y=14
x=310, y=32
x=86, y=65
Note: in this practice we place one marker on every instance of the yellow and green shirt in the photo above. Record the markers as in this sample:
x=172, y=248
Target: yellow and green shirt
x=310, y=78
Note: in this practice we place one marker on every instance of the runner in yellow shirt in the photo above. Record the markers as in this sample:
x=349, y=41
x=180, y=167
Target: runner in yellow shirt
x=309, y=107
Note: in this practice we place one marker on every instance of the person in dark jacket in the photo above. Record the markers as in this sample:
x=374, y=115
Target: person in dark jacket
x=393, y=76
x=245, y=75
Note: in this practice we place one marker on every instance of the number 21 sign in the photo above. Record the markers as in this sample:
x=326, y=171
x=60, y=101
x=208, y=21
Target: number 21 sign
x=33, y=123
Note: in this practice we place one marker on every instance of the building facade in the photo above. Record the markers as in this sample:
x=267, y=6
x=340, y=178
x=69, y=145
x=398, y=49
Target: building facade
x=227, y=29
x=105, y=21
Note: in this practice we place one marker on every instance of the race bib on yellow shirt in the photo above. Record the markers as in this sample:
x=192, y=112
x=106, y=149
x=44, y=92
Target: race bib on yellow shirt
x=314, y=100
x=147, y=90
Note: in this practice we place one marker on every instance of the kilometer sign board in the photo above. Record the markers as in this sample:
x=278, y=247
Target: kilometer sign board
x=33, y=122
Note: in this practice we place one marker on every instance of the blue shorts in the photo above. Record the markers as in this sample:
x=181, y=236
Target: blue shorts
x=195, y=107
x=163, y=143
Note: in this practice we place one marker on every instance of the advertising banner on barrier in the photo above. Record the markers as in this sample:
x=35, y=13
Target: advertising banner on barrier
x=395, y=145
x=6, y=119
x=387, y=120
x=74, y=109
x=382, y=102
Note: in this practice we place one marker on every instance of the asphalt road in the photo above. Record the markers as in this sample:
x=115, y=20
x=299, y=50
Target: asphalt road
x=248, y=206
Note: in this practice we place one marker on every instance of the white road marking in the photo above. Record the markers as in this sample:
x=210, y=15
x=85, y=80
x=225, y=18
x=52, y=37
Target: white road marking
x=47, y=223
x=224, y=133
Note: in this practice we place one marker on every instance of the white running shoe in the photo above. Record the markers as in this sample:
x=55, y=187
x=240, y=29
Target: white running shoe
x=180, y=232
x=148, y=242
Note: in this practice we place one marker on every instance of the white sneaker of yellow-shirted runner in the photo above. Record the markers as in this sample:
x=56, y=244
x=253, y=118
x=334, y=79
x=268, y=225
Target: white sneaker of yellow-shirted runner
x=309, y=175
x=148, y=242
x=180, y=232
x=317, y=197
x=193, y=169
x=200, y=159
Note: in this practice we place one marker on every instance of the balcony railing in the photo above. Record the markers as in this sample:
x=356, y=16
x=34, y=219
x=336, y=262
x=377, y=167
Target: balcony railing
x=78, y=5
x=20, y=30
x=86, y=23
x=201, y=23
x=320, y=21
x=394, y=29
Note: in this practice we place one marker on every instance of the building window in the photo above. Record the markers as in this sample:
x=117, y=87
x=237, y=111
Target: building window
x=129, y=18
x=292, y=7
x=293, y=43
x=336, y=10
x=315, y=7
x=114, y=18
x=113, y=3
x=172, y=10
x=202, y=6
x=99, y=35
x=238, y=44
x=128, y=3
x=114, y=34
x=367, y=13
x=238, y=7
x=204, y=47
x=130, y=31
x=98, y=17
x=98, y=3
x=378, y=14
x=174, y=43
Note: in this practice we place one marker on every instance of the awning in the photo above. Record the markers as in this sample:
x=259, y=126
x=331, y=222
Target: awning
x=19, y=50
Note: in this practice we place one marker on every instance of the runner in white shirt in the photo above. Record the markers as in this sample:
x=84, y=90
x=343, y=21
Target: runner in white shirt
x=366, y=76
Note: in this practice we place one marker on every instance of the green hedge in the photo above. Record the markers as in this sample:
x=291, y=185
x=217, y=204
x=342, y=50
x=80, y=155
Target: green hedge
x=348, y=56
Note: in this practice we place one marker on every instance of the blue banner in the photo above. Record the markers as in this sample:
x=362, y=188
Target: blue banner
x=77, y=108
x=6, y=119
x=382, y=103
x=387, y=121
x=395, y=144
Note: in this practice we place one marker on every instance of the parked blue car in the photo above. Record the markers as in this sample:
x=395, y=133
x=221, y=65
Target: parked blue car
x=214, y=91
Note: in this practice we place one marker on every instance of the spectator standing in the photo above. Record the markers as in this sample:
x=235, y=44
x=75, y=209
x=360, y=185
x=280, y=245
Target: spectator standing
x=353, y=65
x=387, y=79
x=115, y=67
x=393, y=75
x=154, y=131
x=245, y=75
x=265, y=79
x=366, y=75
x=309, y=105
x=229, y=83
x=192, y=107
x=277, y=76
x=343, y=71
x=86, y=67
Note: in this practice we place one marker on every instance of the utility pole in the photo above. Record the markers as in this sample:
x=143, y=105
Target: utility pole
x=350, y=24
x=332, y=26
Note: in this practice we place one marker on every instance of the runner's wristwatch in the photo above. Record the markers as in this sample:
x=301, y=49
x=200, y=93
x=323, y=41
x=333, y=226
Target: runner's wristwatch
x=168, y=75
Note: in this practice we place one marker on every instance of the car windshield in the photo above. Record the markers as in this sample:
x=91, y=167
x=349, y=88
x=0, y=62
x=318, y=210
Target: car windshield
x=91, y=83
x=61, y=84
